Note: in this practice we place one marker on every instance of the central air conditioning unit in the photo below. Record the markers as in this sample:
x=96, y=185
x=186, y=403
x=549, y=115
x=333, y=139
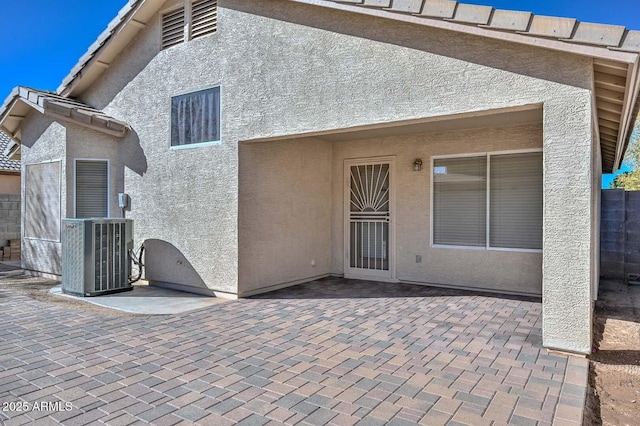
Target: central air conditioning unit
x=95, y=256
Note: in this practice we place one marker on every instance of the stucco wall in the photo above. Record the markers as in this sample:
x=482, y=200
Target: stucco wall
x=88, y=144
x=510, y=271
x=10, y=184
x=284, y=220
x=289, y=68
x=43, y=140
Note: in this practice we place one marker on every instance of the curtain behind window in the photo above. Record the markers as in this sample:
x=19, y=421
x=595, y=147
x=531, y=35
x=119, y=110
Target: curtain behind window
x=195, y=117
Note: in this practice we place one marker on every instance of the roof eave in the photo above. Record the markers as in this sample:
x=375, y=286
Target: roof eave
x=625, y=140
x=58, y=108
x=563, y=45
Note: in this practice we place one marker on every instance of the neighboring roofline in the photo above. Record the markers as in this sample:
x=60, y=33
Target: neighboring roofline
x=12, y=150
x=8, y=165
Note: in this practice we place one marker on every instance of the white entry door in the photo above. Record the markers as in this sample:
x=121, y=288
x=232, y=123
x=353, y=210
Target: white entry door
x=369, y=231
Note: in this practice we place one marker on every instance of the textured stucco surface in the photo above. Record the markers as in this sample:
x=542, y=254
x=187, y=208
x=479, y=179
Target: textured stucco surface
x=289, y=68
x=284, y=212
x=43, y=140
x=568, y=226
x=489, y=269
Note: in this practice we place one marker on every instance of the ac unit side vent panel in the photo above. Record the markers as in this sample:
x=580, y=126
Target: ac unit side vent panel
x=95, y=256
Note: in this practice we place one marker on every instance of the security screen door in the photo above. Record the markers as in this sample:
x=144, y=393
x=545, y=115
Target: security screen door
x=368, y=231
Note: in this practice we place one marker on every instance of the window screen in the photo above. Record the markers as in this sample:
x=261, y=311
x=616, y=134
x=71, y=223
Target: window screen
x=42, y=201
x=516, y=201
x=459, y=201
x=195, y=117
x=92, y=189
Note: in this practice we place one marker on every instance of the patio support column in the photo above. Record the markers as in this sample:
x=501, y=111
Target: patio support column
x=569, y=217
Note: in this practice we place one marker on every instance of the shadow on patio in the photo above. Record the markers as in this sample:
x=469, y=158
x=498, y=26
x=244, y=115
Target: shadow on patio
x=341, y=288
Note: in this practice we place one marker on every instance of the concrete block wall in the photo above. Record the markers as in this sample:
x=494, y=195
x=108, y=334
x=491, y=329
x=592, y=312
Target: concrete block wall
x=632, y=231
x=9, y=218
x=620, y=233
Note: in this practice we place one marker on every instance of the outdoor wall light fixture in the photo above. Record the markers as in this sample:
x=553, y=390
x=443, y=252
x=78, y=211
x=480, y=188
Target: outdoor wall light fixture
x=417, y=165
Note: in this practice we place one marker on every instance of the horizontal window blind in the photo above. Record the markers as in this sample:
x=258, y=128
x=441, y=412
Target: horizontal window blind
x=516, y=201
x=459, y=201
x=91, y=189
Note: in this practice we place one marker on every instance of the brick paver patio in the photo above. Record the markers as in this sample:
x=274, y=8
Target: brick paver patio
x=330, y=352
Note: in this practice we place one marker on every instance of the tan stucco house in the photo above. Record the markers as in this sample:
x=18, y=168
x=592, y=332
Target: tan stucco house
x=265, y=143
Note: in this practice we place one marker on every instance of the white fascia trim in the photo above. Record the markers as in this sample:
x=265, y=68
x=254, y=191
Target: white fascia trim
x=626, y=126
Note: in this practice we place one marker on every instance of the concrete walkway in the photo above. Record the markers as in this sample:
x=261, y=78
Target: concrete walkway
x=148, y=300
x=330, y=352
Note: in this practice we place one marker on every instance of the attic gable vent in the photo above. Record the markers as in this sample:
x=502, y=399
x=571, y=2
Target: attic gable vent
x=204, y=17
x=173, y=28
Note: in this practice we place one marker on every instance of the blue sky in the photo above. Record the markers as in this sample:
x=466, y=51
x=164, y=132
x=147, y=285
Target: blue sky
x=42, y=40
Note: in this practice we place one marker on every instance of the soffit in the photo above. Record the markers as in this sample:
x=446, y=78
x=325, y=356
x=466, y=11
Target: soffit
x=513, y=116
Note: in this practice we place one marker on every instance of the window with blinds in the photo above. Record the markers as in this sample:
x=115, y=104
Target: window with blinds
x=511, y=184
x=459, y=197
x=173, y=28
x=516, y=201
x=202, y=20
x=92, y=189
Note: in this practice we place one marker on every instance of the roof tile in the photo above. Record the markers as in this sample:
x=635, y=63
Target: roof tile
x=631, y=41
x=439, y=8
x=377, y=3
x=510, y=20
x=5, y=163
x=551, y=26
x=472, y=14
x=599, y=34
x=410, y=6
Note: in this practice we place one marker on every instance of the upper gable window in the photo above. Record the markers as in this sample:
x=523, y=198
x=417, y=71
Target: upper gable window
x=195, y=118
x=201, y=20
